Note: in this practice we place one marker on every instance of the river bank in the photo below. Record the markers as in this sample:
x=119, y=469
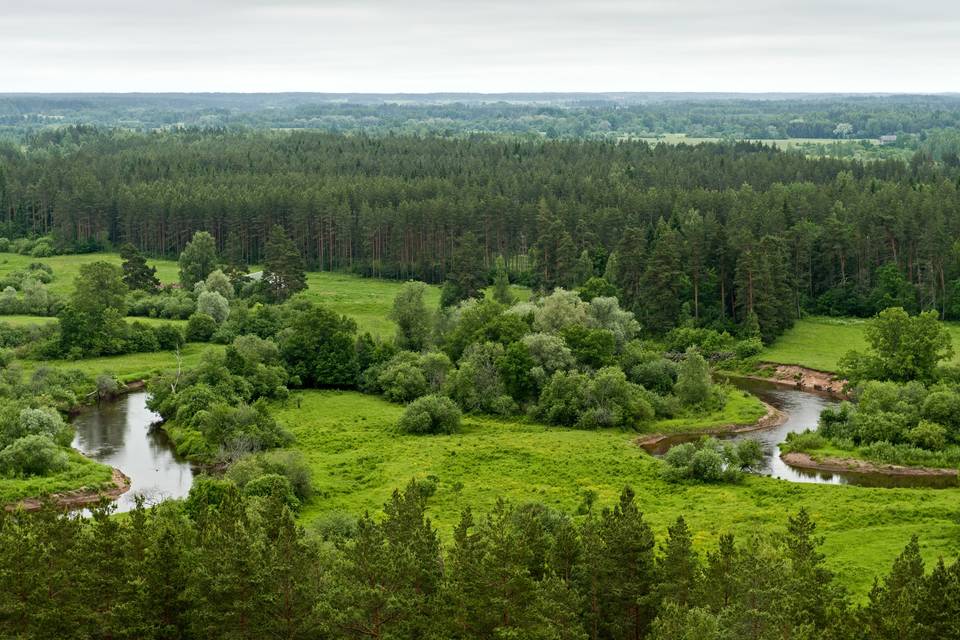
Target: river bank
x=655, y=443
x=78, y=498
x=857, y=465
x=804, y=379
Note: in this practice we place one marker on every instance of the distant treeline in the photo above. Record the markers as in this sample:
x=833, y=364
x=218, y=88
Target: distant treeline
x=606, y=115
x=713, y=232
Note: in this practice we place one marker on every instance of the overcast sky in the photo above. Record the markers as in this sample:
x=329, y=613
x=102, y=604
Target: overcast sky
x=487, y=46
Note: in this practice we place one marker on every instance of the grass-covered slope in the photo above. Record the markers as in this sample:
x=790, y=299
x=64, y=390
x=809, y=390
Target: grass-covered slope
x=357, y=459
x=819, y=342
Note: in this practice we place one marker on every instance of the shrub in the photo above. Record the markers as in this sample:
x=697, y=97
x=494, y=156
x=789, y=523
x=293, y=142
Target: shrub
x=141, y=338
x=693, y=380
x=275, y=486
x=430, y=414
x=214, y=305
x=564, y=398
x=928, y=435
x=16, y=424
x=41, y=250
x=168, y=336
x=200, y=328
x=33, y=455
x=401, y=379
x=748, y=348
x=709, y=460
x=805, y=441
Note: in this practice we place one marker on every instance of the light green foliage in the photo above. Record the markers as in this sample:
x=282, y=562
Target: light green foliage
x=198, y=259
x=401, y=379
x=18, y=423
x=200, y=327
x=549, y=354
x=605, y=400
x=430, y=414
x=78, y=472
x=709, y=460
x=693, y=380
x=559, y=310
x=412, y=317
x=605, y=313
x=213, y=304
x=219, y=282
x=33, y=455
x=902, y=348
x=598, y=287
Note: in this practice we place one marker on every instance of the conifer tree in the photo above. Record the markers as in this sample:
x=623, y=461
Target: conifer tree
x=501, y=283
x=136, y=273
x=284, y=273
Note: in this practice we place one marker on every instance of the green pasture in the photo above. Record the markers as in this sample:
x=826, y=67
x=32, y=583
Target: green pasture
x=820, y=342
x=357, y=458
x=65, y=268
x=81, y=472
x=131, y=366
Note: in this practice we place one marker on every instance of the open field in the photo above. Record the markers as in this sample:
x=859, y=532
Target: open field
x=785, y=143
x=65, y=268
x=358, y=459
x=819, y=342
x=131, y=366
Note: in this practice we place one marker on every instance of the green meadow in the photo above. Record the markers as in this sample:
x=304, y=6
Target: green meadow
x=357, y=459
x=81, y=472
x=819, y=342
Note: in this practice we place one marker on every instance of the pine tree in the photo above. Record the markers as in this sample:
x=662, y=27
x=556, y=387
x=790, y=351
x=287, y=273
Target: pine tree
x=629, y=262
x=501, y=283
x=136, y=273
x=467, y=275
x=679, y=567
x=662, y=283
x=284, y=273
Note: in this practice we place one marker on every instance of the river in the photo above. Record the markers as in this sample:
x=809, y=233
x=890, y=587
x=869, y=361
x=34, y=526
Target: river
x=119, y=434
x=803, y=409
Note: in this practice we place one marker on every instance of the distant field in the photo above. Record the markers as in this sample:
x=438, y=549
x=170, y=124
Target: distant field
x=368, y=300
x=65, y=268
x=819, y=342
x=357, y=460
x=787, y=143
x=131, y=366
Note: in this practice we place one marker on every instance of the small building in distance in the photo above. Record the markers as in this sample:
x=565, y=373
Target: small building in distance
x=888, y=139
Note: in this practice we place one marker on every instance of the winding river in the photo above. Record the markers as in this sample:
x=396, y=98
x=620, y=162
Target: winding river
x=119, y=434
x=803, y=409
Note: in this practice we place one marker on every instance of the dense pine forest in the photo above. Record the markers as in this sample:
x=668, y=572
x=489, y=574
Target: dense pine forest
x=714, y=232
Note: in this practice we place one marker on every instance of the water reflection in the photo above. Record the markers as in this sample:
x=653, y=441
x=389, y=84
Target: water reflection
x=803, y=409
x=119, y=434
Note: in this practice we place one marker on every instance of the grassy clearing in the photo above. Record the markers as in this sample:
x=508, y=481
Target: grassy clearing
x=81, y=473
x=820, y=342
x=740, y=408
x=131, y=366
x=368, y=300
x=358, y=459
x=66, y=268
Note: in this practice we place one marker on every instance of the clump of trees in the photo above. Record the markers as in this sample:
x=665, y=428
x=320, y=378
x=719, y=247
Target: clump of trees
x=710, y=460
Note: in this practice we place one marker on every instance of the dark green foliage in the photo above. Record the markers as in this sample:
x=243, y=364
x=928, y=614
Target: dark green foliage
x=594, y=348
x=430, y=414
x=136, y=273
x=32, y=455
x=284, y=271
x=501, y=283
x=92, y=323
x=596, y=287
x=467, y=275
x=412, y=317
x=318, y=348
x=200, y=328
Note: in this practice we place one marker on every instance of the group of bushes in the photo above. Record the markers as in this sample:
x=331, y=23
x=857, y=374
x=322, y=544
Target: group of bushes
x=32, y=440
x=561, y=359
x=219, y=408
x=710, y=460
x=24, y=291
x=42, y=247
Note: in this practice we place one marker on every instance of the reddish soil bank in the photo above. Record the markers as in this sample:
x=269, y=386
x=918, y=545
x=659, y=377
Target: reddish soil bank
x=840, y=465
x=805, y=379
x=78, y=498
x=651, y=442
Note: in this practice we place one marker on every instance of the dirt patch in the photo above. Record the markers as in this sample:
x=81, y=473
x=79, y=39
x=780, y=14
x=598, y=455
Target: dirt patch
x=79, y=498
x=841, y=465
x=653, y=442
x=805, y=379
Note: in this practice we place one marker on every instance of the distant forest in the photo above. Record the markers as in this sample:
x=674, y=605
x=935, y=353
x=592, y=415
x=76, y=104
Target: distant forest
x=715, y=233
x=603, y=116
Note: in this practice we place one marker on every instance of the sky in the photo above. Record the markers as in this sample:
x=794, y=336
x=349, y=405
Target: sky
x=482, y=46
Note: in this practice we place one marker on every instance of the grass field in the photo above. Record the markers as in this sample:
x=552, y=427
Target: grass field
x=131, y=366
x=358, y=459
x=81, y=472
x=819, y=342
x=65, y=268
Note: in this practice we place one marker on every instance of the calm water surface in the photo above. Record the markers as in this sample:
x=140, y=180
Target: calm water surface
x=119, y=434
x=804, y=409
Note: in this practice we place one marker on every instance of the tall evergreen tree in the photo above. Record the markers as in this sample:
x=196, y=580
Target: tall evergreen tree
x=467, y=275
x=663, y=280
x=136, y=273
x=284, y=273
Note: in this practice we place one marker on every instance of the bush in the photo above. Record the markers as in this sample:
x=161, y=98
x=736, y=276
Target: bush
x=805, y=441
x=709, y=460
x=693, y=380
x=34, y=455
x=214, y=305
x=430, y=414
x=401, y=379
x=168, y=336
x=273, y=485
x=17, y=423
x=928, y=435
x=141, y=338
x=748, y=348
x=200, y=328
